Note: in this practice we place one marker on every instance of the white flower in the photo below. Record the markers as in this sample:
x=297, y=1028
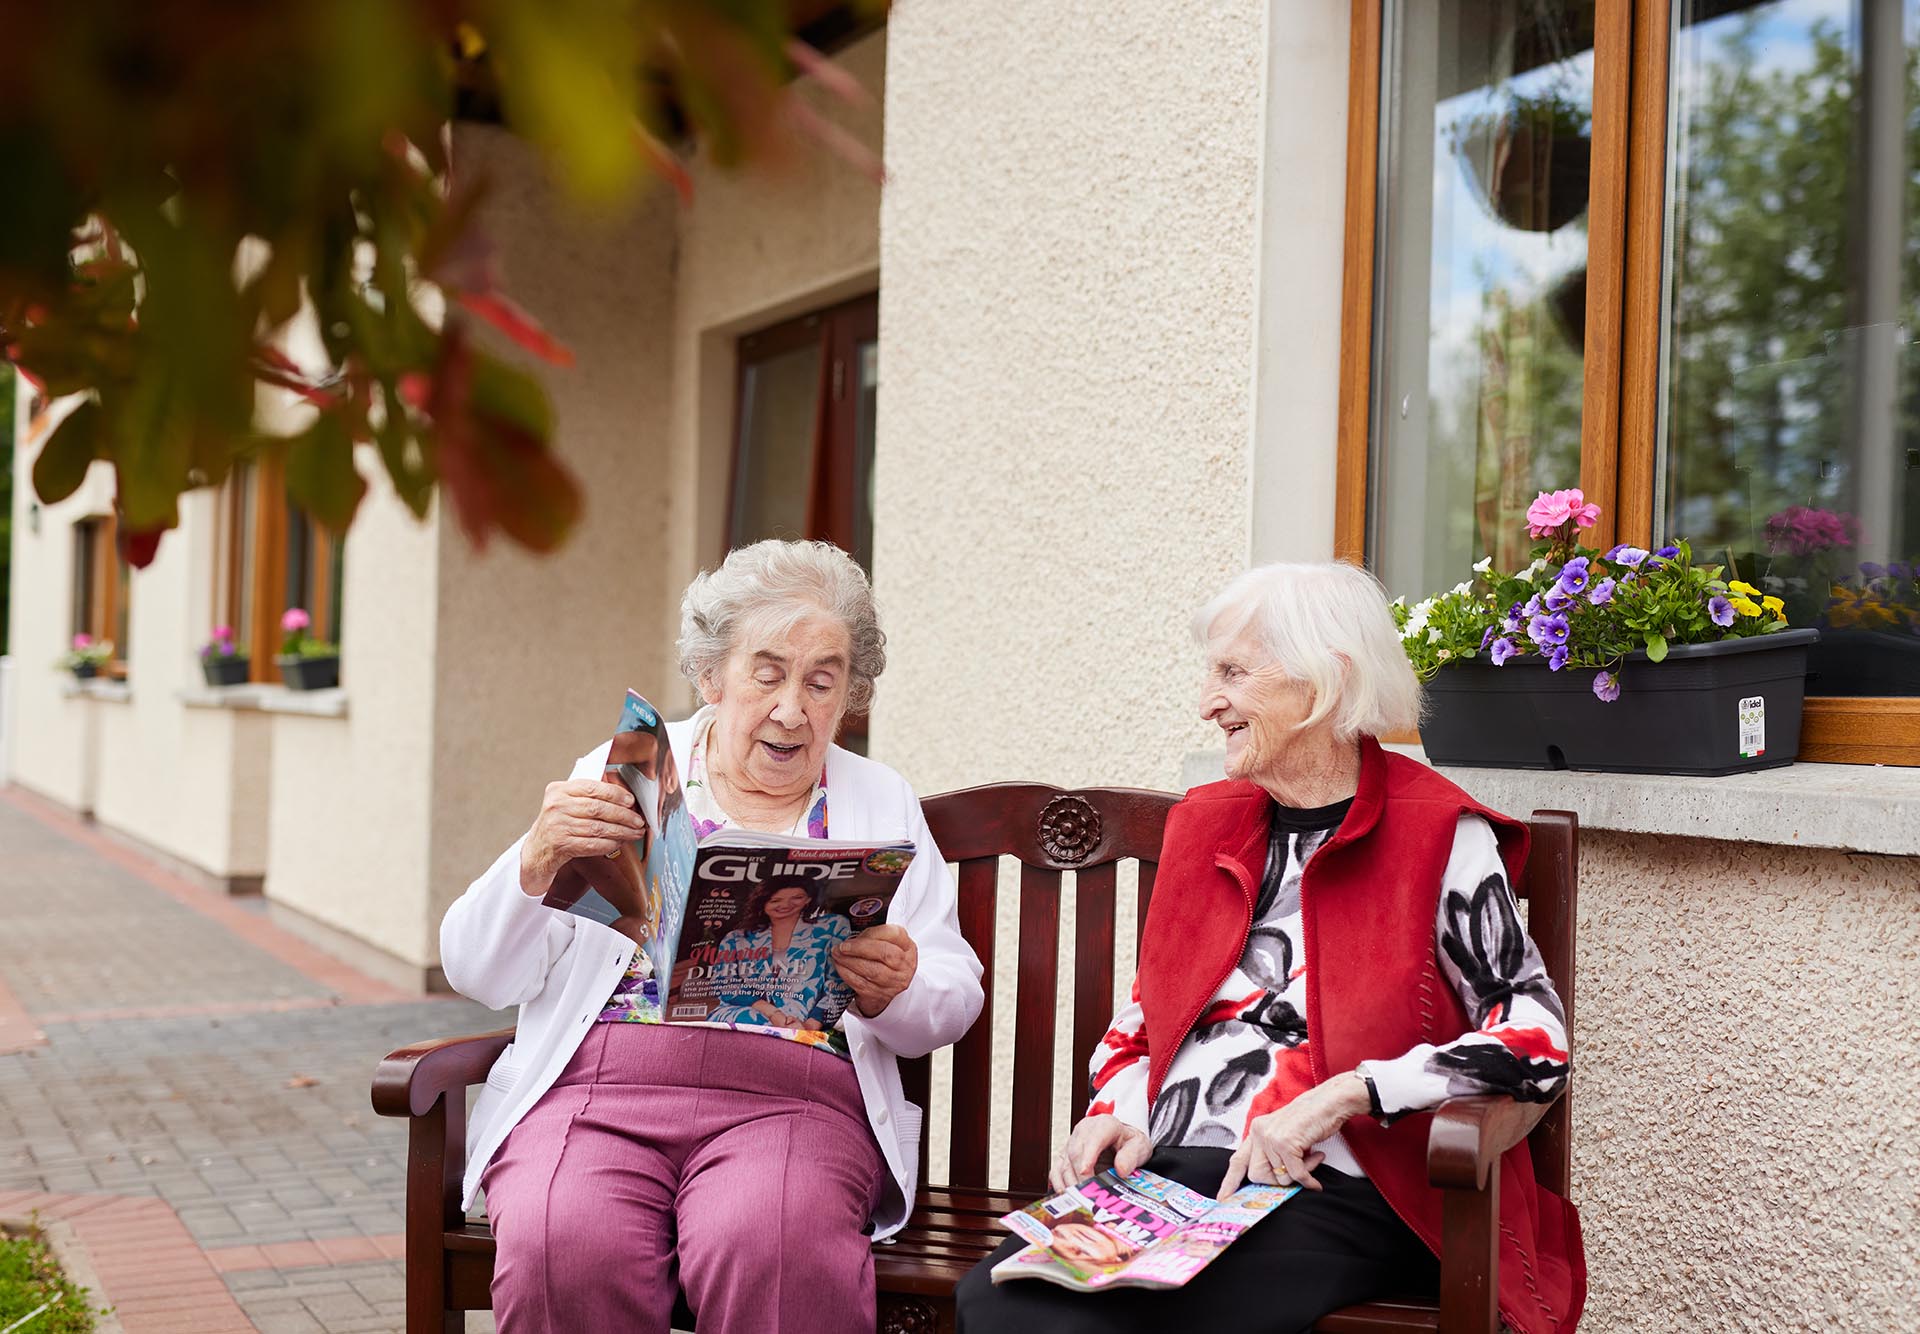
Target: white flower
x=1462, y=587
x=1484, y=564
x=1539, y=564
x=1433, y=636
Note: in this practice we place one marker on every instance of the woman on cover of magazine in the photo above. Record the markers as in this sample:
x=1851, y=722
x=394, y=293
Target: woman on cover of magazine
x=780, y=919
x=623, y=1159
x=1336, y=928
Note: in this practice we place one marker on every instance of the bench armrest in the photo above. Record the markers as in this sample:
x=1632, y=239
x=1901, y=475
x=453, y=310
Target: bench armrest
x=1470, y=1134
x=409, y=1081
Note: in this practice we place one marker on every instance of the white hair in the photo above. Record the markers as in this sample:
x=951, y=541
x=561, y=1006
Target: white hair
x=775, y=585
x=1329, y=626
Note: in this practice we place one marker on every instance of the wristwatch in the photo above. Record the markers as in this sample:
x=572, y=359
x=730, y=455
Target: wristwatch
x=1374, y=1109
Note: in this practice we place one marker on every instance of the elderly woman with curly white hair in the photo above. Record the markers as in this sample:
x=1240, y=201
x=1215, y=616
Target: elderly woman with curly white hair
x=1333, y=949
x=625, y=1160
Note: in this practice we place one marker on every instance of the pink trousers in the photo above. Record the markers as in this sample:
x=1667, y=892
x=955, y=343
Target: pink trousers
x=735, y=1167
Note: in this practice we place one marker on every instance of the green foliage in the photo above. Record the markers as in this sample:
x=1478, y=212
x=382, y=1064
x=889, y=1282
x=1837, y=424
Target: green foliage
x=28, y=1278
x=183, y=178
x=1577, y=607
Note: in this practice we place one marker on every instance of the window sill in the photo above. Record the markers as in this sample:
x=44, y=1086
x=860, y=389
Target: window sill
x=118, y=692
x=306, y=703
x=261, y=698
x=1852, y=807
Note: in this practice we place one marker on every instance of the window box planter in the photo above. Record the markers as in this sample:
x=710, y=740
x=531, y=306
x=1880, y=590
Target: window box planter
x=224, y=671
x=310, y=673
x=85, y=671
x=1687, y=715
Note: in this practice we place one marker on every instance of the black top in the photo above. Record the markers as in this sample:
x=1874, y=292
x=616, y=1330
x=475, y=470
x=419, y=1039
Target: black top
x=1296, y=819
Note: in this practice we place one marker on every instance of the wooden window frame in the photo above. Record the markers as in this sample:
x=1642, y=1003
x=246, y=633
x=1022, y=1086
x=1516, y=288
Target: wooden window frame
x=1620, y=405
x=104, y=596
x=264, y=594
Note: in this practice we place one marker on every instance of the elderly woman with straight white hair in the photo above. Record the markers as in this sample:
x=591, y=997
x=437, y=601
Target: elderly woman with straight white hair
x=1333, y=949
x=624, y=1160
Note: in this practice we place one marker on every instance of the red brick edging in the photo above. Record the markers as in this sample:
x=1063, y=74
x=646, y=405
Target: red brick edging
x=151, y=1271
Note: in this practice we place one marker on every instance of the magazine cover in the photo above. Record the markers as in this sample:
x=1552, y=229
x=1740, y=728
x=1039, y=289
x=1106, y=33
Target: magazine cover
x=764, y=915
x=1139, y=1231
x=642, y=889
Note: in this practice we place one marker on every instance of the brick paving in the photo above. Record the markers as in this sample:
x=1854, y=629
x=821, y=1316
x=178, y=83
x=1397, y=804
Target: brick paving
x=190, y=1053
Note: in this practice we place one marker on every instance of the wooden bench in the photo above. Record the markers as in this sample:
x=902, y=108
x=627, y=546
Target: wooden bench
x=1049, y=830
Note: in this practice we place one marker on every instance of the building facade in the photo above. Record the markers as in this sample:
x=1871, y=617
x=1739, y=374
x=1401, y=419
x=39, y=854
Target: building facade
x=1163, y=292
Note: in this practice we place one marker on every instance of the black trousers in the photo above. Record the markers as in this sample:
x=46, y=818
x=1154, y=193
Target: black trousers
x=1316, y=1253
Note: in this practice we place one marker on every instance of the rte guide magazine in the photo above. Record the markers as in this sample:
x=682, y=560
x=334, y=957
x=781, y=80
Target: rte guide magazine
x=708, y=913
x=1136, y=1231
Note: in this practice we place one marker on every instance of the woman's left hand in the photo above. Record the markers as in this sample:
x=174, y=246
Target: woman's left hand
x=878, y=964
x=1279, y=1145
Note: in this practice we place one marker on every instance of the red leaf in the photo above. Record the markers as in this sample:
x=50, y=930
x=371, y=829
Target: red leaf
x=139, y=549
x=506, y=316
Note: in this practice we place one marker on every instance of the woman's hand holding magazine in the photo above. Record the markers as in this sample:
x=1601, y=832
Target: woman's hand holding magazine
x=1135, y=1230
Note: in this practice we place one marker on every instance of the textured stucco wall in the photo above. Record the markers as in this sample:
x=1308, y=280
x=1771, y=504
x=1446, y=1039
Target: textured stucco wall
x=755, y=249
x=534, y=652
x=349, y=816
x=1068, y=239
x=1746, y=1133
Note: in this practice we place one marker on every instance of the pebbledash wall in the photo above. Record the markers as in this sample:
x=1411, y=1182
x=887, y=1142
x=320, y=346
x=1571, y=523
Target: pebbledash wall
x=1111, y=242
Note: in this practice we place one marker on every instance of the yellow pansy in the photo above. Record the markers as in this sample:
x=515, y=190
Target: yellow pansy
x=1746, y=606
x=1748, y=589
x=1776, y=606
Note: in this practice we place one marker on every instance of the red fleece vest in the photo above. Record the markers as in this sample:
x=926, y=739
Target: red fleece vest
x=1368, y=901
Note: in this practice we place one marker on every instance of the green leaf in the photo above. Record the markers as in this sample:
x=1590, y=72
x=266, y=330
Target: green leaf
x=1656, y=646
x=321, y=478
x=65, y=458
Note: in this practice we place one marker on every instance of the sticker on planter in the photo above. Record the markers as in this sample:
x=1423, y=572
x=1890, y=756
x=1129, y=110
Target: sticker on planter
x=1753, y=727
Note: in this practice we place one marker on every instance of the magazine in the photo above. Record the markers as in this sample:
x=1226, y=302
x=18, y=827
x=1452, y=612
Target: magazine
x=1137, y=1231
x=708, y=913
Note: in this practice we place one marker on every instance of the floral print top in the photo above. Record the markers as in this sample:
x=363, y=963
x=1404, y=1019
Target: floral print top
x=636, y=996
x=1248, y=1053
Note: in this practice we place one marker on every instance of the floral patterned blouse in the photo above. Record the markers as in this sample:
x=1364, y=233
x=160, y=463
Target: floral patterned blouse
x=636, y=996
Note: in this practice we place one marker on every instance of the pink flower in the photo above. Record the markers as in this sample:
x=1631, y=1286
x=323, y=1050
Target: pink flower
x=223, y=632
x=1555, y=509
x=295, y=619
x=1802, y=531
x=83, y=641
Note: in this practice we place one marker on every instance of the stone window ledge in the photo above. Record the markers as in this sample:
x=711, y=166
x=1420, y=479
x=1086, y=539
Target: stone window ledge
x=267, y=699
x=1853, y=807
x=99, y=687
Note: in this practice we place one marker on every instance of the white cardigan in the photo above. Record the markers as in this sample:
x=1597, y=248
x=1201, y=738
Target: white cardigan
x=502, y=947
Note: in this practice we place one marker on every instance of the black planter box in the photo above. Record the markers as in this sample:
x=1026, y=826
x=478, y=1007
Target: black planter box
x=1865, y=662
x=224, y=671
x=85, y=671
x=1681, y=716
x=310, y=673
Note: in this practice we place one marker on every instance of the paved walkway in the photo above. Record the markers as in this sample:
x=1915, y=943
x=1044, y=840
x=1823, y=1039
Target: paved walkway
x=187, y=1085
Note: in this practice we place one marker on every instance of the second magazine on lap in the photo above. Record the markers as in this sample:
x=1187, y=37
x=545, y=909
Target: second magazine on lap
x=739, y=925
x=1137, y=1231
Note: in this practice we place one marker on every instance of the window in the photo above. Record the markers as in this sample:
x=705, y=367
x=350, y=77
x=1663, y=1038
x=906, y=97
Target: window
x=1665, y=247
x=803, y=438
x=270, y=556
x=102, y=589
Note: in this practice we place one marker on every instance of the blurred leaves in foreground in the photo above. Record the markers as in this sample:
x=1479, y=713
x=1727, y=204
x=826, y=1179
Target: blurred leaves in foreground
x=186, y=181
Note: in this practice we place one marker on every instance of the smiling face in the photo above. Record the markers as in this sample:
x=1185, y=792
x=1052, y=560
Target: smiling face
x=778, y=702
x=786, y=905
x=1255, y=704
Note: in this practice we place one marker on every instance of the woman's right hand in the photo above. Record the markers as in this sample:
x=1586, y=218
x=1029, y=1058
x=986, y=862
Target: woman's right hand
x=1091, y=1141
x=580, y=817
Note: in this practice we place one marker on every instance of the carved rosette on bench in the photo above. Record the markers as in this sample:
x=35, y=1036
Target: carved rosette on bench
x=1069, y=830
x=907, y=1315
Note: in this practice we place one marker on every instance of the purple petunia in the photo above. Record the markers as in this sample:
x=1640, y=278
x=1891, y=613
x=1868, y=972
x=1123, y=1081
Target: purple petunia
x=1720, y=610
x=1532, y=609
x=1502, y=650
x=1487, y=638
x=1546, y=631
x=1557, y=659
x=1899, y=570
x=1601, y=593
x=1667, y=553
x=1871, y=570
x=1607, y=686
x=1631, y=557
x=1556, y=599
x=1573, y=576
x=1516, y=618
